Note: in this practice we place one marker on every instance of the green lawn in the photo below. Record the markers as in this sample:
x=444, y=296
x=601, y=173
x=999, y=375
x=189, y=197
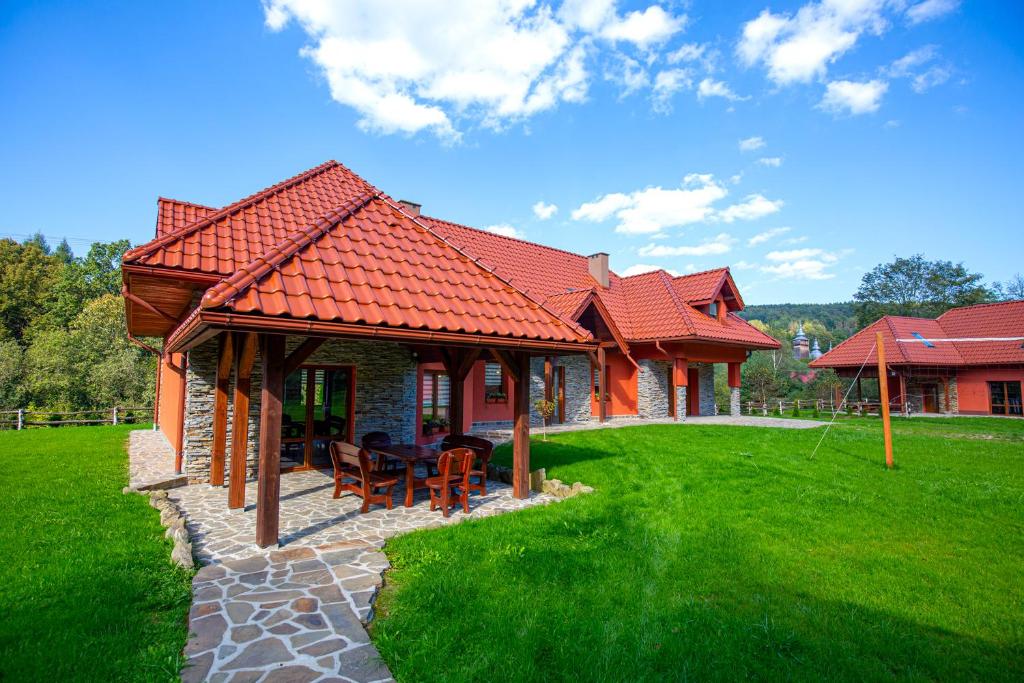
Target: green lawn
x=723, y=553
x=86, y=589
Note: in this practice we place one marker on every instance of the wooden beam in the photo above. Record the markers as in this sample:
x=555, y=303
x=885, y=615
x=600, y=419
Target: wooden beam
x=602, y=384
x=220, y=409
x=521, y=428
x=301, y=353
x=507, y=363
x=268, y=496
x=245, y=355
x=883, y=390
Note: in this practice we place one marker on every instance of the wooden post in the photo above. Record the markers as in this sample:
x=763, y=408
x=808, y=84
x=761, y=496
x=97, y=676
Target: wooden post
x=549, y=385
x=156, y=398
x=521, y=428
x=245, y=343
x=602, y=384
x=179, y=446
x=904, y=404
x=883, y=388
x=268, y=496
x=114, y=418
x=21, y=418
x=220, y=409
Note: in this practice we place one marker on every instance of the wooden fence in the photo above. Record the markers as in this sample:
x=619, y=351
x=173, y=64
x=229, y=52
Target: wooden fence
x=776, y=406
x=25, y=417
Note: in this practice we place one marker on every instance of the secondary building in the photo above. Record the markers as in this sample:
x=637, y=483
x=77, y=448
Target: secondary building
x=968, y=361
x=321, y=309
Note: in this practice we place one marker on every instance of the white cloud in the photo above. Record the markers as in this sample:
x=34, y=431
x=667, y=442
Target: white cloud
x=688, y=52
x=754, y=206
x=736, y=178
x=851, y=97
x=752, y=143
x=767, y=235
x=742, y=265
x=709, y=87
x=651, y=26
x=666, y=84
x=505, y=230
x=544, y=211
x=799, y=47
x=773, y=162
x=910, y=66
x=653, y=209
x=719, y=244
x=640, y=268
x=801, y=264
x=930, y=9
x=407, y=66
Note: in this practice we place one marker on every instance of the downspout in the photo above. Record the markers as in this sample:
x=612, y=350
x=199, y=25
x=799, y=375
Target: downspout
x=179, y=447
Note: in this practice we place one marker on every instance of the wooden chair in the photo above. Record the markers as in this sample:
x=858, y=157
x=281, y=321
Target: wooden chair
x=373, y=440
x=483, y=449
x=353, y=471
x=454, y=466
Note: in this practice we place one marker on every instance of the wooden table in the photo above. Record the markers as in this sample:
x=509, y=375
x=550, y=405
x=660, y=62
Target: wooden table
x=411, y=455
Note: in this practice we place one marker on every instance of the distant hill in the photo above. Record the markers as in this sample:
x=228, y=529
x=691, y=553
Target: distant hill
x=838, y=318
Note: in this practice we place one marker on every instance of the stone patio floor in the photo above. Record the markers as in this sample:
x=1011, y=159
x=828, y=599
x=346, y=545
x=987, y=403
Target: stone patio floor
x=298, y=612
x=151, y=465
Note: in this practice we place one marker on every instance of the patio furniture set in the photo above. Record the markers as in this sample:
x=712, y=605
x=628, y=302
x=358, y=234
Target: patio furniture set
x=372, y=470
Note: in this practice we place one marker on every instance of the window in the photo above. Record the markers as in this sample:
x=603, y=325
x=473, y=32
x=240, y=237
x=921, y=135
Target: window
x=713, y=309
x=597, y=382
x=1005, y=398
x=436, y=395
x=494, y=384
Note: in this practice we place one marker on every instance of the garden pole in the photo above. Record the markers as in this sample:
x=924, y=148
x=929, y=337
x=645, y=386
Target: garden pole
x=115, y=416
x=21, y=418
x=883, y=389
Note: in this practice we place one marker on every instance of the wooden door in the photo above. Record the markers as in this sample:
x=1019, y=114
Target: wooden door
x=692, y=392
x=931, y=398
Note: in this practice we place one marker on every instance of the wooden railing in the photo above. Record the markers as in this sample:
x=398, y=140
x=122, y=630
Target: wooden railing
x=25, y=417
x=776, y=406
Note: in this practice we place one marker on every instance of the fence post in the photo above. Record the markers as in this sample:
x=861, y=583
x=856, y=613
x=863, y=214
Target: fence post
x=21, y=418
x=115, y=416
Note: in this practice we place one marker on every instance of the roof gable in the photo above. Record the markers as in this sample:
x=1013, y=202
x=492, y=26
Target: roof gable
x=173, y=214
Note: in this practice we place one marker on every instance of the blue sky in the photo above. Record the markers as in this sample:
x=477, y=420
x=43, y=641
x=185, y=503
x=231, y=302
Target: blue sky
x=872, y=128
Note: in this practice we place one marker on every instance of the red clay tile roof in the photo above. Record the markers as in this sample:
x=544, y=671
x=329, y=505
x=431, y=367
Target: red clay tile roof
x=369, y=262
x=326, y=244
x=644, y=307
x=172, y=214
x=971, y=322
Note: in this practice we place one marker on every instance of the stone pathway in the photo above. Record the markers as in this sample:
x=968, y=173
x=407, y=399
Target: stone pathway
x=151, y=465
x=310, y=517
x=503, y=435
x=296, y=613
x=287, y=615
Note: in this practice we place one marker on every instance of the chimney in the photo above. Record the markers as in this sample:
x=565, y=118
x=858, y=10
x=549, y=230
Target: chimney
x=412, y=207
x=597, y=264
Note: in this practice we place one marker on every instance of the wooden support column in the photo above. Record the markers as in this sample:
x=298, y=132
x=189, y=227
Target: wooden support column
x=602, y=385
x=457, y=363
x=735, y=375
x=549, y=383
x=245, y=355
x=268, y=495
x=179, y=445
x=220, y=409
x=521, y=428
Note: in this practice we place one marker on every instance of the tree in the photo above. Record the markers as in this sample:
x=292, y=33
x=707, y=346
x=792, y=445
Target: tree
x=1012, y=289
x=761, y=376
x=916, y=287
x=12, y=391
x=26, y=272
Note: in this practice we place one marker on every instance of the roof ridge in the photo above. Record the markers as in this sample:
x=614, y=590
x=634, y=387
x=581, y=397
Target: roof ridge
x=251, y=273
x=506, y=237
x=666, y=281
x=265, y=193
x=529, y=297
x=699, y=272
x=981, y=305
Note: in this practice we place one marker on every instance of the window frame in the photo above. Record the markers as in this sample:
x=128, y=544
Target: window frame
x=495, y=393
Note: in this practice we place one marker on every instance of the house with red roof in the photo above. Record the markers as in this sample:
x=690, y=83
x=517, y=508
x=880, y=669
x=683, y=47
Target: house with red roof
x=321, y=309
x=968, y=361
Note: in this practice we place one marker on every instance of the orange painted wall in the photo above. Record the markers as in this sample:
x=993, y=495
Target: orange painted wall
x=480, y=410
x=622, y=387
x=171, y=386
x=972, y=387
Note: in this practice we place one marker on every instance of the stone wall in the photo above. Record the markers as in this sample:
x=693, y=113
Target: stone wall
x=652, y=388
x=680, y=403
x=385, y=396
x=577, y=388
x=916, y=387
x=734, y=401
x=706, y=386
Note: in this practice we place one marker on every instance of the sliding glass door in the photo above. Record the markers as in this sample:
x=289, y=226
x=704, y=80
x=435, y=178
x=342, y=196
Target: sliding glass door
x=319, y=407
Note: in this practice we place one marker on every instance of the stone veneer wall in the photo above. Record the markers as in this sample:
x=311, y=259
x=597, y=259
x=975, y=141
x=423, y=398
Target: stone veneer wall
x=915, y=389
x=680, y=403
x=706, y=386
x=577, y=388
x=652, y=388
x=734, y=401
x=385, y=396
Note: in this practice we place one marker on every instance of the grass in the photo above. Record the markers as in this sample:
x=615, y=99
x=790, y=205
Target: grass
x=86, y=588
x=723, y=553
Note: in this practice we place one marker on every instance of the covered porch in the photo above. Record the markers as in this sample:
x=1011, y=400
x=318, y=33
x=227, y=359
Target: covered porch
x=263, y=405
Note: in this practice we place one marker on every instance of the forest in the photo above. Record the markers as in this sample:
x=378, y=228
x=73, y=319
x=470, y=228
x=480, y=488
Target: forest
x=63, y=341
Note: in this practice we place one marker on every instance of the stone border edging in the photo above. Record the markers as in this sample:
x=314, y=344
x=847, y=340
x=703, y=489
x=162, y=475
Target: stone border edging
x=172, y=518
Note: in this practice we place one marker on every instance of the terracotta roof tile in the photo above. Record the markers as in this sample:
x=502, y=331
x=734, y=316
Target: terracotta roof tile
x=986, y=320
x=173, y=214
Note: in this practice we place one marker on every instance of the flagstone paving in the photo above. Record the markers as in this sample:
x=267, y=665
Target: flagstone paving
x=151, y=465
x=297, y=612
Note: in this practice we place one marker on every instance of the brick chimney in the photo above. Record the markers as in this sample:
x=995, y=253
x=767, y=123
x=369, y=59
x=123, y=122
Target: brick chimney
x=597, y=264
x=411, y=207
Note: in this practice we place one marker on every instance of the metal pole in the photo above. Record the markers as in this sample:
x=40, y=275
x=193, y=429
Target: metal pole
x=883, y=389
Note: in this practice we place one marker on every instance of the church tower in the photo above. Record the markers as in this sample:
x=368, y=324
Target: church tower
x=801, y=344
